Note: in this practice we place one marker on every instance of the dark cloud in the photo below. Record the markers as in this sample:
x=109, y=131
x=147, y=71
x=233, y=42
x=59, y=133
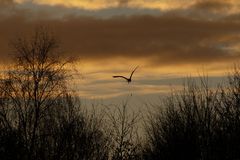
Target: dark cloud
x=6, y=2
x=161, y=40
x=7, y=8
x=233, y=17
x=212, y=5
x=123, y=3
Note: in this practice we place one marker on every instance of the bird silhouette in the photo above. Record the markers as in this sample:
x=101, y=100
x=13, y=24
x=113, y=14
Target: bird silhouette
x=127, y=79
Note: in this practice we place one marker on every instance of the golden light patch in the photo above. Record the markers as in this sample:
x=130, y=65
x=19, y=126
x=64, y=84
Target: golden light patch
x=97, y=81
x=100, y=4
x=91, y=4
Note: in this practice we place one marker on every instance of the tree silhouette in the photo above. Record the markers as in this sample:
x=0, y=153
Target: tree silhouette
x=124, y=133
x=186, y=128
x=39, y=119
x=228, y=110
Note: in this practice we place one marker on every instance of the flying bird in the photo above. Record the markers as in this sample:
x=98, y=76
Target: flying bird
x=127, y=79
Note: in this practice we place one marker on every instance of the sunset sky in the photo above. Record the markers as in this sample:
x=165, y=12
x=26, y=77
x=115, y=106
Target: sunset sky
x=167, y=39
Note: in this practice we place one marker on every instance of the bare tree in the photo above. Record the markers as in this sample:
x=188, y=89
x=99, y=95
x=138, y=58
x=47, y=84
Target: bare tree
x=36, y=81
x=228, y=111
x=72, y=133
x=37, y=112
x=124, y=133
x=184, y=126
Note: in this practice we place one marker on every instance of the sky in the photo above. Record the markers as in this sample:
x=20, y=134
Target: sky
x=168, y=39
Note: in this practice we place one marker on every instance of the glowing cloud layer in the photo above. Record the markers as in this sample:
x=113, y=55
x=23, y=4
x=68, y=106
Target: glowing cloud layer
x=153, y=4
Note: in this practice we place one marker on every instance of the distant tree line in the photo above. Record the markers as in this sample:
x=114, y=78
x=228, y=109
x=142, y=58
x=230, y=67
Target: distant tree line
x=41, y=119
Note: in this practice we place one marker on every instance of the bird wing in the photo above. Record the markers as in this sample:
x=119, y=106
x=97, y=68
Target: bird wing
x=133, y=72
x=120, y=77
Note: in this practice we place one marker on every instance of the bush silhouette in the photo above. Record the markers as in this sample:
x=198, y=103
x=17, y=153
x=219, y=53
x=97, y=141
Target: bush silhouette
x=197, y=123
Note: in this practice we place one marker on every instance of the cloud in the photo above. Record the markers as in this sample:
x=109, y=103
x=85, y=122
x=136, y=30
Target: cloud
x=212, y=5
x=59, y=11
x=6, y=2
x=112, y=39
x=123, y=3
x=207, y=9
x=6, y=5
x=160, y=40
